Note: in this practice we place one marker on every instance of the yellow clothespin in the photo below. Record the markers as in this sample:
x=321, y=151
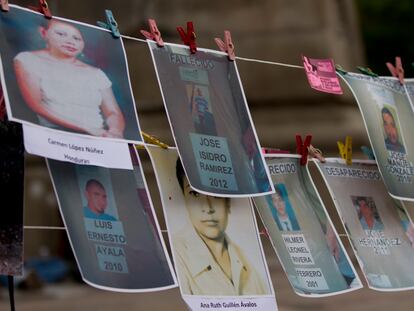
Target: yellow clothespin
x=345, y=150
x=153, y=140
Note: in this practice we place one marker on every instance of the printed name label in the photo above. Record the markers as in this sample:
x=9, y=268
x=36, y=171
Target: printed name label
x=73, y=148
x=400, y=167
x=298, y=249
x=231, y=303
x=213, y=161
x=111, y=258
x=105, y=231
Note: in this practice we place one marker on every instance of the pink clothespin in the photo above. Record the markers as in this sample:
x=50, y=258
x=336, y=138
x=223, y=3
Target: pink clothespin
x=154, y=33
x=398, y=70
x=226, y=45
x=274, y=151
x=302, y=148
x=265, y=233
x=4, y=5
x=42, y=8
x=188, y=37
x=316, y=153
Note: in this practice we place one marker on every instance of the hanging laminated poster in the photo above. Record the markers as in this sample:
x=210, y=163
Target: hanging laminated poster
x=11, y=185
x=377, y=225
x=389, y=118
x=112, y=227
x=215, y=243
x=302, y=233
x=210, y=121
x=65, y=75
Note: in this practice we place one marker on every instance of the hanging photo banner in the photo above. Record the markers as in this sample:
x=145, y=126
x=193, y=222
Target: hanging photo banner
x=11, y=185
x=377, y=225
x=80, y=150
x=65, y=75
x=216, y=247
x=210, y=121
x=389, y=119
x=302, y=234
x=112, y=226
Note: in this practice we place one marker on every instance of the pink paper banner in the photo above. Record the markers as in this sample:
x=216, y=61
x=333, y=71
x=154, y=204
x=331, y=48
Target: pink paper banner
x=321, y=75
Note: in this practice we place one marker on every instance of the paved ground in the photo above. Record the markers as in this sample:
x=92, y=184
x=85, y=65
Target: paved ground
x=70, y=296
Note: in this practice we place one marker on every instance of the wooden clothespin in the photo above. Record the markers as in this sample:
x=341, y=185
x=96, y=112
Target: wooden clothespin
x=316, y=153
x=302, y=148
x=368, y=152
x=4, y=5
x=265, y=233
x=42, y=8
x=340, y=69
x=367, y=71
x=110, y=24
x=345, y=150
x=226, y=45
x=189, y=37
x=274, y=151
x=398, y=70
x=154, y=33
x=153, y=140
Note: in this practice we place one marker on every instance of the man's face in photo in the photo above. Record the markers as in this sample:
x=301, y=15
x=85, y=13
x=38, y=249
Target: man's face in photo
x=390, y=128
x=97, y=199
x=209, y=215
x=279, y=203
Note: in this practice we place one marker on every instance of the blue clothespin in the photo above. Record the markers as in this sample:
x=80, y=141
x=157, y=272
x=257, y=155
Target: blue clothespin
x=110, y=24
x=368, y=152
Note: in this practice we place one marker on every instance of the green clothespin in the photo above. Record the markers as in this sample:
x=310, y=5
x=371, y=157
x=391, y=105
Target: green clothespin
x=368, y=152
x=367, y=71
x=345, y=150
x=340, y=69
x=110, y=24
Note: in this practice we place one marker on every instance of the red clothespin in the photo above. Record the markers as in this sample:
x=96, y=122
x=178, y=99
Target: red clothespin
x=302, y=148
x=154, y=33
x=42, y=8
x=4, y=5
x=189, y=37
x=226, y=45
x=398, y=70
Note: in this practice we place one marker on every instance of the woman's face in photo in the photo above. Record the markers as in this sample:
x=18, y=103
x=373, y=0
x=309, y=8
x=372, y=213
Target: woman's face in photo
x=63, y=39
x=209, y=215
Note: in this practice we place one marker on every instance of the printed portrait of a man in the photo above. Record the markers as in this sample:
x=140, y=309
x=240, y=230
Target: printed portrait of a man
x=282, y=211
x=392, y=136
x=208, y=262
x=367, y=213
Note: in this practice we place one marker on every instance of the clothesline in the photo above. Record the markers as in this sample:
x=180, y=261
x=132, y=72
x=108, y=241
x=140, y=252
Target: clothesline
x=64, y=228
x=237, y=57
